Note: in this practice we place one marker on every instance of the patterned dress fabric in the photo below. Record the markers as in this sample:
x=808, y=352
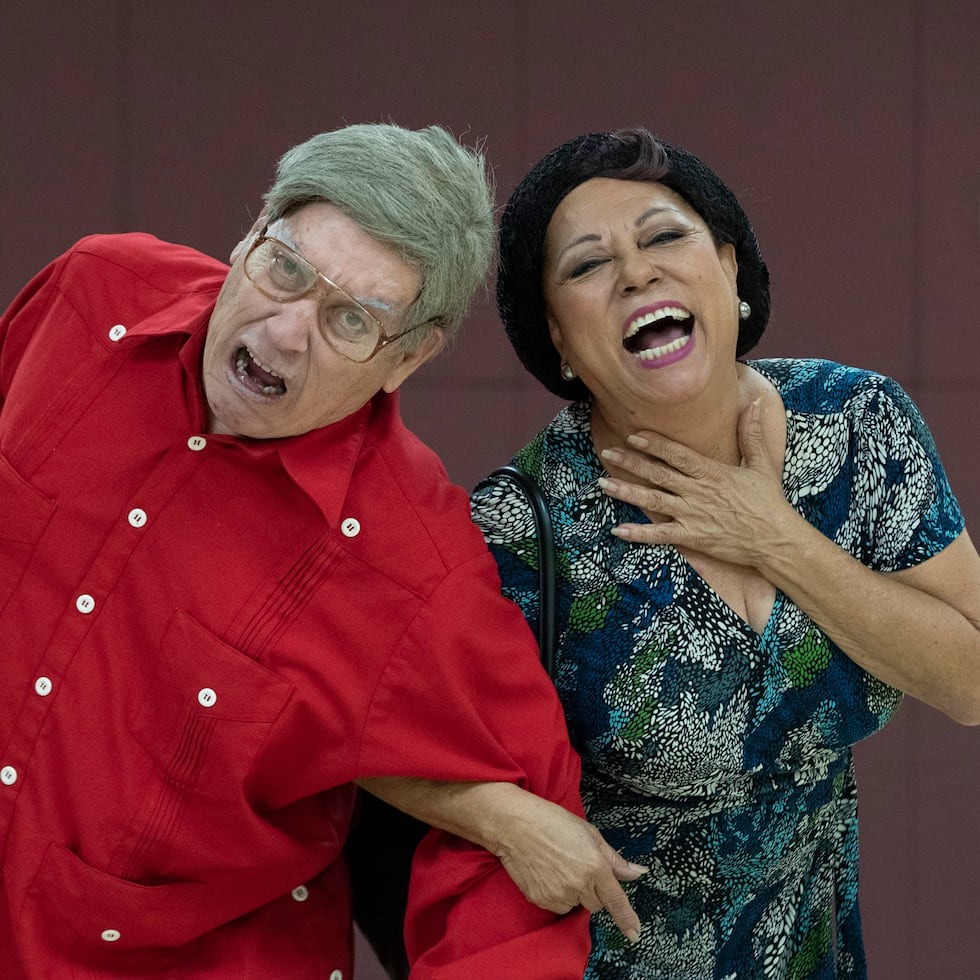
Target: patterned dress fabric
x=718, y=756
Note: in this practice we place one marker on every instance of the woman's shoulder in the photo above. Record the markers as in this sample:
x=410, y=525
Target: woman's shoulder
x=821, y=386
x=559, y=459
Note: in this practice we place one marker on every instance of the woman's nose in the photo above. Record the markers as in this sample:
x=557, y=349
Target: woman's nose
x=637, y=270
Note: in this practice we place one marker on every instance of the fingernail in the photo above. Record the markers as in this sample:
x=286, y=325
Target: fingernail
x=638, y=441
x=612, y=454
x=633, y=936
x=638, y=868
x=620, y=532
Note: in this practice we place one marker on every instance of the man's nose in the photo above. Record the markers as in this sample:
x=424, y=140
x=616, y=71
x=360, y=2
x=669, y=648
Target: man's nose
x=289, y=327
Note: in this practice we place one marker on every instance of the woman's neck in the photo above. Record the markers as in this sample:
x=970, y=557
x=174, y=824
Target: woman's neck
x=707, y=423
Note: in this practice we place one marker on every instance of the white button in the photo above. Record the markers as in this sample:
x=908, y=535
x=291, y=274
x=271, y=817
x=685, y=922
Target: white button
x=85, y=604
x=197, y=443
x=336, y=975
x=8, y=775
x=351, y=527
x=206, y=697
x=137, y=517
x=43, y=686
x=301, y=893
x=117, y=333
x=110, y=935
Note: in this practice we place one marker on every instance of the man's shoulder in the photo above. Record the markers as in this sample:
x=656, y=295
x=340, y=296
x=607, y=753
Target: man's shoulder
x=428, y=531
x=165, y=266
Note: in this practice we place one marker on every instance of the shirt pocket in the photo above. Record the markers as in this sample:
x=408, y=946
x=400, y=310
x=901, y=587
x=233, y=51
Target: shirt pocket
x=80, y=915
x=82, y=922
x=205, y=710
x=24, y=514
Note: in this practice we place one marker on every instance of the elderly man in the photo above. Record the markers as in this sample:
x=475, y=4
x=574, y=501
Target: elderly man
x=232, y=584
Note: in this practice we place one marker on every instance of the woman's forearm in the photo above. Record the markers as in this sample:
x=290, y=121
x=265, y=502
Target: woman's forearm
x=477, y=812
x=916, y=630
x=558, y=860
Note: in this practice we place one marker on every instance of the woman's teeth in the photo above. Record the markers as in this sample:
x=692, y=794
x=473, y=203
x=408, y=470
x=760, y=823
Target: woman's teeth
x=653, y=353
x=664, y=313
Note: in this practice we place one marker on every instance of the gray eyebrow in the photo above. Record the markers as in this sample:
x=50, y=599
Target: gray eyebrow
x=372, y=301
x=375, y=303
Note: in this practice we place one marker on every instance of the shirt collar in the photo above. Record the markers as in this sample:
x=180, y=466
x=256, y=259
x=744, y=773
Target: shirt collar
x=321, y=462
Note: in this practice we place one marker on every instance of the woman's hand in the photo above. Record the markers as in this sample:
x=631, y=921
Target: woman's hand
x=737, y=514
x=558, y=860
x=917, y=629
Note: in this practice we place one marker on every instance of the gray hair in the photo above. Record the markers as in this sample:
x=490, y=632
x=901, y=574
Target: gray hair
x=417, y=191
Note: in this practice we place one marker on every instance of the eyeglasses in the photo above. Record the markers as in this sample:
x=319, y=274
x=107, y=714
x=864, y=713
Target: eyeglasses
x=282, y=274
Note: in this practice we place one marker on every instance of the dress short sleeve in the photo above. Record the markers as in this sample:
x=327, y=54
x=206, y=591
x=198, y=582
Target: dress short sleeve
x=911, y=513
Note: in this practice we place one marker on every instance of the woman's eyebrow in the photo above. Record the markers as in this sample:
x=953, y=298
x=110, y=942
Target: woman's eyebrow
x=649, y=213
x=578, y=241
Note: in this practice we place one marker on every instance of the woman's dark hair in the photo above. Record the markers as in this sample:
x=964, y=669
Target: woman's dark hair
x=628, y=154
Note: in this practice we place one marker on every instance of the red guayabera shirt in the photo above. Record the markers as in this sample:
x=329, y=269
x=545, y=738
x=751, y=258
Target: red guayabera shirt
x=203, y=640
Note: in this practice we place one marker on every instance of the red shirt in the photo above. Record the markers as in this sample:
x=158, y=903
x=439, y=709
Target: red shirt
x=205, y=639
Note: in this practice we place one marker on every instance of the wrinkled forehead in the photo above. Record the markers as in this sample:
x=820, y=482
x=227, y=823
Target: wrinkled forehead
x=340, y=249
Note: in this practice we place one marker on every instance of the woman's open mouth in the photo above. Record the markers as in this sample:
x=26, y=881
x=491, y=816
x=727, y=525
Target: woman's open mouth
x=659, y=333
x=256, y=376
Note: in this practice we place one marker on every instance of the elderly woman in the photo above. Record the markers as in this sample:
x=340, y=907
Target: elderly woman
x=756, y=559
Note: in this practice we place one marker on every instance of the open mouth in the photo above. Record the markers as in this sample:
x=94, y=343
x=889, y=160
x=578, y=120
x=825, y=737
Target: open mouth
x=659, y=333
x=256, y=376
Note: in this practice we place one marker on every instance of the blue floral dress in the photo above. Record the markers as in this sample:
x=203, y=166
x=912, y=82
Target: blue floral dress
x=718, y=756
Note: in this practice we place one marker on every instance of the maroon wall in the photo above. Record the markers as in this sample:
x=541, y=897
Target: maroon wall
x=848, y=130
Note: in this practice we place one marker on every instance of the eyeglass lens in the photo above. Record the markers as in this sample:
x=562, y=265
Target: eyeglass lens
x=285, y=276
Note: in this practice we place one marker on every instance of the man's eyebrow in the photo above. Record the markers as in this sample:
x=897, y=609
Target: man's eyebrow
x=371, y=301
x=376, y=303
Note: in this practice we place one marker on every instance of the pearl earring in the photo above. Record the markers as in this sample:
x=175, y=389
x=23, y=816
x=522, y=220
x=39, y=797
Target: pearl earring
x=566, y=372
x=744, y=310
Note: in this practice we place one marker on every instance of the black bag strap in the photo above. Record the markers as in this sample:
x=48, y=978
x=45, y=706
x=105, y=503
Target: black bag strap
x=546, y=559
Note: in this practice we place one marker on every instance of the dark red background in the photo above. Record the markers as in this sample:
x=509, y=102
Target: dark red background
x=850, y=132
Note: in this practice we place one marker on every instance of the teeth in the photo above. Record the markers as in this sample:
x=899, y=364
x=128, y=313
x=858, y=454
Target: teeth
x=265, y=367
x=241, y=366
x=657, y=352
x=665, y=312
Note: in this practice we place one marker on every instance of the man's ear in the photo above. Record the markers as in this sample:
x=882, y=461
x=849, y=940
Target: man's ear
x=411, y=361
x=260, y=222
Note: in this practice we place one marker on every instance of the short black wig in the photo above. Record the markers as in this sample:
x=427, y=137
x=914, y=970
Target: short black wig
x=628, y=154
